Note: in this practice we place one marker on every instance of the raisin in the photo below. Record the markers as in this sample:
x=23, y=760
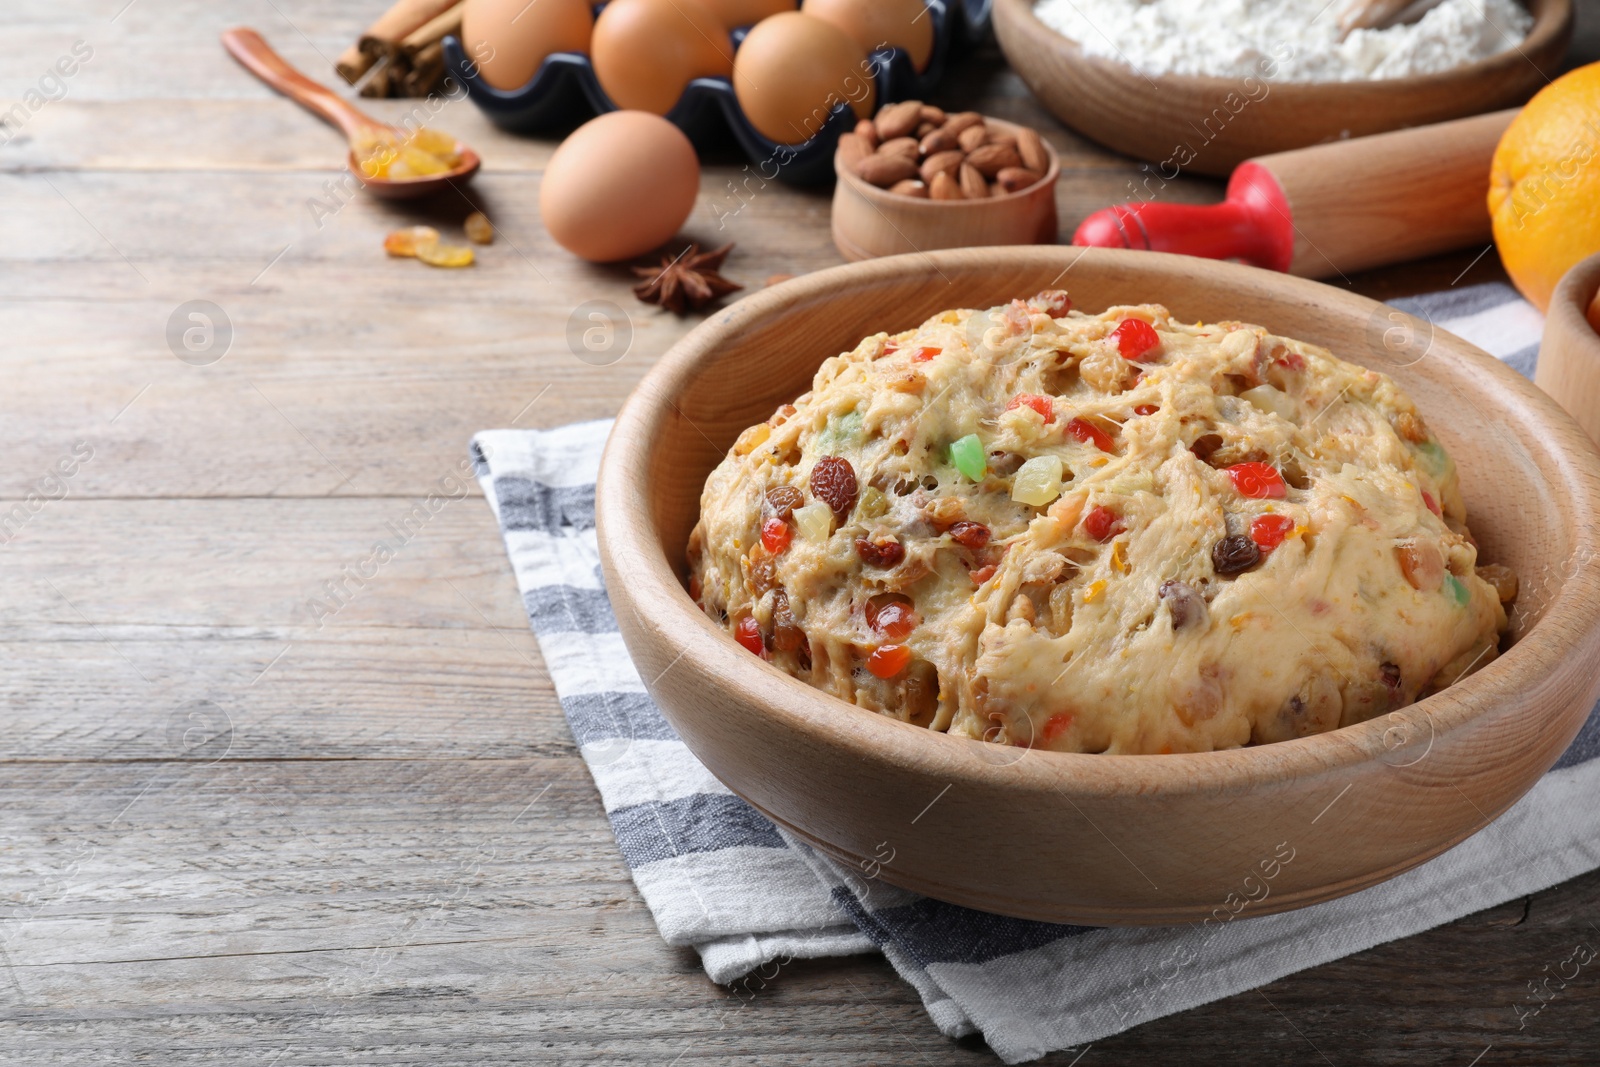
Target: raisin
x=1184, y=602
x=833, y=481
x=786, y=633
x=1391, y=678
x=884, y=553
x=1205, y=446
x=783, y=499
x=1053, y=302
x=973, y=535
x=438, y=255
x=763, y=574
x=480, y=231
x=1234, y=555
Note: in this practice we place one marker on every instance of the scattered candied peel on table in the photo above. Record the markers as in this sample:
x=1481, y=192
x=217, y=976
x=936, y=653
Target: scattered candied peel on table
x=1100, y=533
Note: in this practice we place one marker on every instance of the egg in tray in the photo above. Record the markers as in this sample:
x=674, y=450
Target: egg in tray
x=786, y=79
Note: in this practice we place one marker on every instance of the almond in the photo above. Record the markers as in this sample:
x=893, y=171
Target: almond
x=923, y=129
x=1014, y=179
x=944, y=187
x=973, y=187
x=961, y=120
x=942, y=163
x=900, y=146
x=973, y=136
x=1030, y=146
x=910, y=187
x=932, y=114
x=898, y=120
x=990, y=159
x=868, y=134
x=885, y=170
x=997, y=137
x=940, y=140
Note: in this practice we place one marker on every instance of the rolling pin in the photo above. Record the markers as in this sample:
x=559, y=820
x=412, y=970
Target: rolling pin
x=1333, y=208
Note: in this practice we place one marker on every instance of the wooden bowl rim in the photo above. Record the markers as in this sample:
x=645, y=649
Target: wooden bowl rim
x=1551, y=19
x=884, y=197
x=1570, y=302
x=630, y=541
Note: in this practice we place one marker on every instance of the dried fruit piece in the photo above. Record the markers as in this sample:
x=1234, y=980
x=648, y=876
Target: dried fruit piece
x=1136, y=340
x=966, y=454
x=887, y=661
x=891, y=616
x=1147, y=409
x=748, y=634
x=1089, y=433
x=1119, y=558
x=783, y=499
x=923, y=355
x=1053, y=302
x=874, y=504
x=1037, y=481
x=775, y=535
x=1184, y=603
x=1259, y=481
x=886, y=552
x=971, y=535
x=479, y=229
x=833, y=481
x=814, y=521
x=1503, y=578
x=1268, y=531
x=1453, y=586
x=1422, y=564
x=984, y=573
x=405, y=242
x=786, y=633
x=1234, y=555
x=1041, y=404
x=438, y=255
x=1102, y=523
x=1433, y=505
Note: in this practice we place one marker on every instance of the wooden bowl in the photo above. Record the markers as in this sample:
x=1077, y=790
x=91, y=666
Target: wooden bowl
x=1225, y=121
x=1569, y=353
x=870, y=222
x=1093, y=838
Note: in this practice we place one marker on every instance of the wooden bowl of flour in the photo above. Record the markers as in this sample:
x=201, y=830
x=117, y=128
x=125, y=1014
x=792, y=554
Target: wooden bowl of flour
x=1100, y=839
x=1208, y=125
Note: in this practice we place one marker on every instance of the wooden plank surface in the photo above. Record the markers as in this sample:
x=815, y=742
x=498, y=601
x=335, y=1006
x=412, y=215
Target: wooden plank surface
x=237, y=829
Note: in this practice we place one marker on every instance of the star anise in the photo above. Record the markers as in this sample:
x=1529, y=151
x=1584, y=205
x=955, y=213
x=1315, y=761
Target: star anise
x=686, y=283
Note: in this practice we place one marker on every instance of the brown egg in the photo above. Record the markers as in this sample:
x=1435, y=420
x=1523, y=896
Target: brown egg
x=646, y=51
x=619, y=186
x=508, y=39
x=881, y=24
x=734, y=13
x=793, y=70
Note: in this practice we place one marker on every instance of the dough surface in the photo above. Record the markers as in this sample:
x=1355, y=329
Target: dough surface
x=1249, y=540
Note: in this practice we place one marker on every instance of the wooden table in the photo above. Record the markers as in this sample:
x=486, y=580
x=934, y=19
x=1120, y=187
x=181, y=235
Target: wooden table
x=239, y=829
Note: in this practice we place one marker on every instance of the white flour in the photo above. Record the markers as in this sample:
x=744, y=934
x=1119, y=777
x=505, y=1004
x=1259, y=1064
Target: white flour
x=1237, y=38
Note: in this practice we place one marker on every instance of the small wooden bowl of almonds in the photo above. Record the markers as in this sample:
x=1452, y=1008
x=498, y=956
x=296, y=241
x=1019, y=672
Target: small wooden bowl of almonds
x=916, y=178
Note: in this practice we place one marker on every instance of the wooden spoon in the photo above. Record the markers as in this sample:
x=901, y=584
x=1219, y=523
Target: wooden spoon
x=1381, y=14
x=256, y=56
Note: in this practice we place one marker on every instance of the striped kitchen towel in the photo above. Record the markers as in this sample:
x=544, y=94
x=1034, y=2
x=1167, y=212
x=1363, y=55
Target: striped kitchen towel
x=719, y=876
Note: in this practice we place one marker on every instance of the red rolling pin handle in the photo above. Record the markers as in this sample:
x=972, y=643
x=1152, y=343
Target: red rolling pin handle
x=1253, y=224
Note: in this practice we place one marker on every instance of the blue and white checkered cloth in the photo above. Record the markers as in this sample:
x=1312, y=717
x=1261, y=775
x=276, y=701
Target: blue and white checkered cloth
x=720, y=877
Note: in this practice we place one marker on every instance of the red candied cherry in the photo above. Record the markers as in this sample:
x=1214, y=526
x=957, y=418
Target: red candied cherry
x=894, y=620
x=1041, y=404
x=775, y=535
x=1090, y=434
x=1102, y=523
x=887, y=661
x=1258, y=481
x=923, y=355
x=1268, y=531
x=1433, y=505
x=1136, y=339
x=1146, y=409
x=748, y=634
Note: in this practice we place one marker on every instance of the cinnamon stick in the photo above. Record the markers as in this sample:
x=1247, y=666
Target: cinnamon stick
x=434, y=31
x=383, y=37
x=352, y=63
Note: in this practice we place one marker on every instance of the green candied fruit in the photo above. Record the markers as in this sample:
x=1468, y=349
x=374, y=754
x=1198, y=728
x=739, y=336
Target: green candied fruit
x=842, y=432
x=873, y=503
x=967, y=455
x=1457, y=590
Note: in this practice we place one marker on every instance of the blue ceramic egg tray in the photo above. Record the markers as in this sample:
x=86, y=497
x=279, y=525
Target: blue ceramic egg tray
x=564, y=90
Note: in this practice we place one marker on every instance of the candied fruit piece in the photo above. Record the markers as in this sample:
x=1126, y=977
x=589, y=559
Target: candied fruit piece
x=1041, y=404
x=1136, y=339
x=436, y=143
x=967, y=455
x=748, y=634
x=887, y=661
x=1037, y=481
x=815, y=521
x=775, y=535
x=1268, y=531
x=1089, y=433
x=1257, y=480
x=406, y=242
x=479, y=229
x=438, y=255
